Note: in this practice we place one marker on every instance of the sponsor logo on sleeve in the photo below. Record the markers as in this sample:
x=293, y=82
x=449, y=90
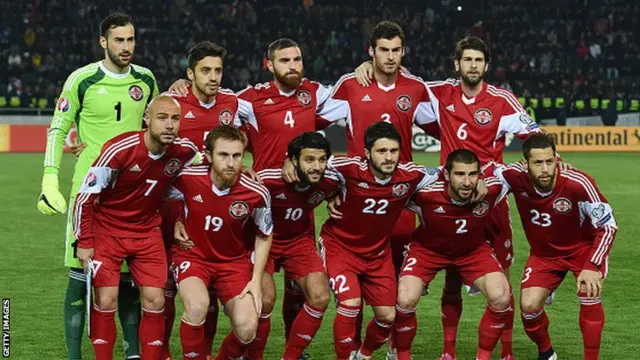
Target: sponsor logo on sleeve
x=63, y=104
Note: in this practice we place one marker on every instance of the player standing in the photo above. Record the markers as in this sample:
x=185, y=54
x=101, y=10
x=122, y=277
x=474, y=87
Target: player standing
x=218, y=202
x=104, y=99
x=116, y=219
x=570, y=227
x=294, y=245
x=358, y=258
x=453, y=234
x=474, y=115
x=205, y=106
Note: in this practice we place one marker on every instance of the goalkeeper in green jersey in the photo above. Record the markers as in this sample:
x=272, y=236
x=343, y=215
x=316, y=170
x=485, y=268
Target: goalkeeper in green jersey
x=103, y=99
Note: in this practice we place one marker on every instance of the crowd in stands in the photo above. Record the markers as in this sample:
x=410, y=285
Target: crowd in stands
x=546, y=49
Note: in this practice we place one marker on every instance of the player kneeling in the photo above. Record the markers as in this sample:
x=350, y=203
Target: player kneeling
x=218, y=202
x=294, y=246
x=116, y=219
x=453, y=237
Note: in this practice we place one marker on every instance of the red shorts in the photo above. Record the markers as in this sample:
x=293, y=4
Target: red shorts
x=298, y=257
x=401, y=236
x=146, y=258
x=228, y=278
x=353, y=277
x=501, y=234
x=425, y=263
x=549, y=273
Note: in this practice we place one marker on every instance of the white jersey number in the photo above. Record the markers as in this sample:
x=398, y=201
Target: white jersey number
x=288, y=119
x=540, y=219
x=462, y=132
x=372, y=203
x=213, y=223
x=293, y=214
x=462, y=226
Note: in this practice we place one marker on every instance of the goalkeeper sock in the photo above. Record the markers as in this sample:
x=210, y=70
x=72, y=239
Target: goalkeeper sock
x=591, y=324
x=74, y=312
x=129, y=313
x=291, y=306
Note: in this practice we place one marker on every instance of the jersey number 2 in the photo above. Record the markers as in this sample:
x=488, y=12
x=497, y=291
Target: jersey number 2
x=118, y=109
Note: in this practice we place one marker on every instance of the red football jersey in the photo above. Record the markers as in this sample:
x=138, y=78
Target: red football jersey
x=199, y=118
x=449, y=227
x=292, y=205
x=215, y=219
x=371, y=206
x=565, y=220
x=274, y=118
x=478, y=124
x=125, y=186
x=404, y=103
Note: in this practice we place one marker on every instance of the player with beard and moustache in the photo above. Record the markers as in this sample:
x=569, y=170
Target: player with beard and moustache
x=116, y=219
x=218, y=203
x=570, y=227
x=104, y=99
x=294, y=245
x=474, y=115
x=204, y=107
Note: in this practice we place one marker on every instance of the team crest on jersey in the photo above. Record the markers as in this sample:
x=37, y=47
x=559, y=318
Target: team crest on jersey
x=172, y=167
x=239, y=209
x=400, y=190
x=316, y=198
x=562, y=205
x=304, y=97
x=482, y=116
x=92, y=179
x=226, y=117
x=136, y=92
x=481, y=209
x=403, y=102
x=63, y=104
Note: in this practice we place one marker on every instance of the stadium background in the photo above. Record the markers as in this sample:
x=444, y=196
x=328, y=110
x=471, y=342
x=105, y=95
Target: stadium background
x=574, y=64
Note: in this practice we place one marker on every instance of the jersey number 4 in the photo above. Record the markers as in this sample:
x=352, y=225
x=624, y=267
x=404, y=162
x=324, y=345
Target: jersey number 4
x=288, y=119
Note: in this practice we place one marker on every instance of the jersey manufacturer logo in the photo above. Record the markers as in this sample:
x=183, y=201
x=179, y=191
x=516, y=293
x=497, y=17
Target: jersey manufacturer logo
x=481, y=209
x=269, y=101
x=189, y=115
x=304, y=97
x=281, y=196
x=63, y=104
x=172, y=167
x=400, y=190
x=198, y=198
x=366, y=98
x=439, y=210
x=316, y=198
x=136, y=92
x=135, y=168
x=226, y=117
x=239, y=209
x=403, y=102
x=92, y=179
x=482, y=116
x=451, y=108
x=562, y=205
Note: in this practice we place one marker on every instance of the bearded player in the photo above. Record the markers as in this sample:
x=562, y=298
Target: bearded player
x=474, y=115
x=570, y=227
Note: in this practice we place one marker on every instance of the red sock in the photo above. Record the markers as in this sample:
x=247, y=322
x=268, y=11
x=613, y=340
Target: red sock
x=344, y=329
x=506, y=347
x=357, y=339
x=404, y=330
x=169, y=318
x=257, y=346
x=451, y=307
x=151, y=334
x=210, y=325
x=304, y=329
x=536, y=325
x=192, y=337
x=377, y=334
x=291, y=306
x=591, y=324
x=231, y=347
x=490, y=329
x=103, y=332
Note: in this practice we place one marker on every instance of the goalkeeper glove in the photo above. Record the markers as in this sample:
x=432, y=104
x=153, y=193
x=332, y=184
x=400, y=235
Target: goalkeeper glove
x=51, y=201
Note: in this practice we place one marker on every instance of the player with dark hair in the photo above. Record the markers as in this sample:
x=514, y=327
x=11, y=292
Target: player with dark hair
x=471, y=114
x=218, y=203
x=104, y=99
x=453, y=235
x=116, y=219
x=570, y=227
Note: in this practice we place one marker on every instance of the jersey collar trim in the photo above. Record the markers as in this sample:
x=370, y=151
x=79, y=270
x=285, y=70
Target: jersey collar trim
x=156, y=156
x=382, y=182
x=112, y=74
x=386, y=88
x=220, y=192
x=209, y=105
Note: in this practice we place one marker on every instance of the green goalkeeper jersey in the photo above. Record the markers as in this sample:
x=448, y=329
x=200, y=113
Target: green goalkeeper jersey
x=102, y=104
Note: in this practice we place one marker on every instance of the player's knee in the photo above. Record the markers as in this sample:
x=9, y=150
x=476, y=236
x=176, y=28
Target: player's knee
x=153, y=302
x=268, y=300
x=529, y=304
x=196, y=309
x=406, y=300
x=106, y=300
x=386, y=316
x=319, y=296
x=499, y=299
x=246, y=327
